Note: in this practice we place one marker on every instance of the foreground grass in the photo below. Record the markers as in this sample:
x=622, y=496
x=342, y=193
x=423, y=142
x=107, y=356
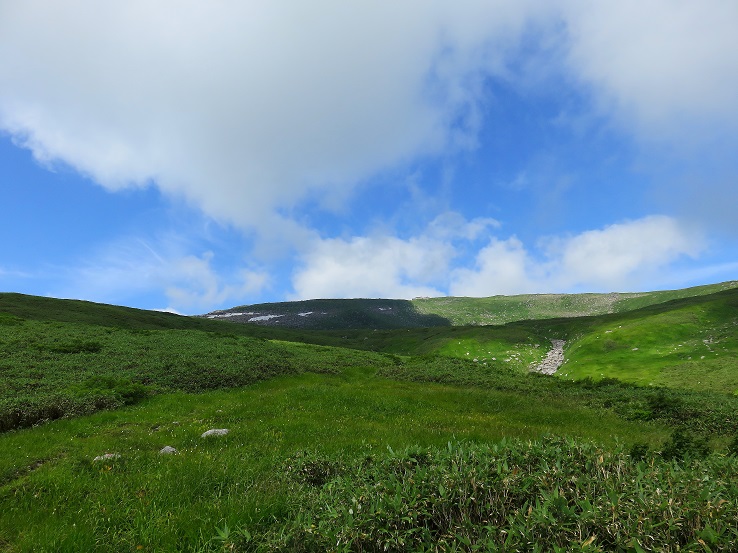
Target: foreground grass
x=549, y=495
x=53, y=497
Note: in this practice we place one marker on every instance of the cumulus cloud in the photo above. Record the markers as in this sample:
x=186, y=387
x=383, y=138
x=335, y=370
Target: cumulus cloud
x=502, y=267
x=616, y=258
x=372, y=267
x=383, y=265
x=620, y=254
x=243, y=108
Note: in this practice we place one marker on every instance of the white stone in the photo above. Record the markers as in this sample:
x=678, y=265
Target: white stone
x=215, y=432
x=107, y=456
x=167, y=450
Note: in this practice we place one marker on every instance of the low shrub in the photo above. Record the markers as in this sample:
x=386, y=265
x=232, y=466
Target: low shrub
x=551, y=495
x=685, y=445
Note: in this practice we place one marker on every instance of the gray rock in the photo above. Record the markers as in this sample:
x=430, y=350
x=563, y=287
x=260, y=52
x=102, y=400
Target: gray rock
x=167, y=450
x=554, y=359
x=215, y=432
x=107, y=457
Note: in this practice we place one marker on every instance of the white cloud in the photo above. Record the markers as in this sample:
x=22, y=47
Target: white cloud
x=665, y=68
x=132, y=267
x=382, y=265
x=501, y=267
x=246, y=107
x=243, y=108
x=372, y=267
x=452, y=225
x=620, y=254
x=618, y=257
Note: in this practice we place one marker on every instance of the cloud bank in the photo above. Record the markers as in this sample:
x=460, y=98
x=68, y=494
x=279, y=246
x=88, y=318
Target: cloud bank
x=243, y=108
x=619, y=257
x=246, y=108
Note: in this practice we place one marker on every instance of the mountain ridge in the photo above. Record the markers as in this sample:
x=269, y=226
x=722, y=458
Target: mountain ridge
x=364, y=313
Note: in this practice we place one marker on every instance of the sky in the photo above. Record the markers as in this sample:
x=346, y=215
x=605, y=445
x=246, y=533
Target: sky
x=191, y=156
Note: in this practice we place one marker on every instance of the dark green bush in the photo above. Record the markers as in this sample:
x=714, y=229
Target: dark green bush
x=123, y=390
x=73, y=346
x=733, y=447
x=685, y=445
x=639, y=451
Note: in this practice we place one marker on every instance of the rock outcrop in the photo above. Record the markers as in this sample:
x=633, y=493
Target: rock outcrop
x=554, y=358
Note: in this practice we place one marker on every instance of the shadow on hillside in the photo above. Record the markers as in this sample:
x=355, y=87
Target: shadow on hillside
x=335, y=314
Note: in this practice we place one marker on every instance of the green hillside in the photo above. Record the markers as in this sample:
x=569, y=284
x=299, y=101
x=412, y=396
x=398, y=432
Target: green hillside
x=328, y=314
x=427, y=312
x=371, y=439
x=503, y=309
x=689, y=343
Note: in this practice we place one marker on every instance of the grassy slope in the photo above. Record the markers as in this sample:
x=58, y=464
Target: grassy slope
x=503, y=309
x=327, y=314
x=54, y=497
x=688, y=343
x=54, y=369
x=691, y=343
x=329, y=402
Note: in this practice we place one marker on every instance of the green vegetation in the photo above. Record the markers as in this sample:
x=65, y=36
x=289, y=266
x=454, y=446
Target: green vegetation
x=334, y=314
x=689, y=343
x=406, y=439
x=550, y=495
x=426, y=312
x=308, y=446
x=51, y=370
x=499, y=310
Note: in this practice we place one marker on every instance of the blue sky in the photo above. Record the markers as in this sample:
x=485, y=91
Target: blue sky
x=193, y=156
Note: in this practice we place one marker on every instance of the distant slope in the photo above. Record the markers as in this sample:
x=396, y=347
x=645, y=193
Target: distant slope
x=332, y=314
x=686, y=343
x=505, y=309
x=691, y=342
x=37, y=308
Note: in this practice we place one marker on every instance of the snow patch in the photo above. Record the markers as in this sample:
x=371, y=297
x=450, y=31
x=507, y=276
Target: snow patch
x=264, y=317
x=226, y=315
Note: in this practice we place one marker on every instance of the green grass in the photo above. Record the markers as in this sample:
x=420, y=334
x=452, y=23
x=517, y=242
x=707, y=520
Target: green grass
x=55, y=498
x=504, y=309
x=440, y=434
x=52, y=369
x=684, y=344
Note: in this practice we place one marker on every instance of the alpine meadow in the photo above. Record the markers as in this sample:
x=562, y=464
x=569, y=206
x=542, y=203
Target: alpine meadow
x=381, y=435
x=369, y=277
